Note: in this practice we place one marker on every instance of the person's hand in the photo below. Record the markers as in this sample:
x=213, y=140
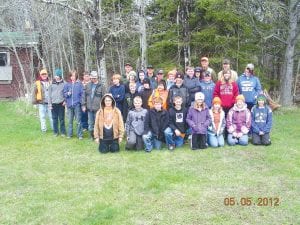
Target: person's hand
x=120, y=140
x=83, y=108
x=261, y=133
x=177, y=132
x=234, y=134
x=239, y=135
x=97, y=140
x=50, y=107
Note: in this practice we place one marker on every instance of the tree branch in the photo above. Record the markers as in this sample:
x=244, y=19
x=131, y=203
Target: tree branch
x=276, y=37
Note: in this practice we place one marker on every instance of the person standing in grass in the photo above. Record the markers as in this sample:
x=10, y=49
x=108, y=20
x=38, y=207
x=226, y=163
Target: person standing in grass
x=41, y=98
x=57, y=103
x=198, y=119
x=86, y=79
x=261, y=124
x=176, y=130
x=155, y=123
x=134, y=126
x=109, y=125
x=91, y=98
x=73, y=91
x=118, y=91
x=238, y=122
x=218, y=124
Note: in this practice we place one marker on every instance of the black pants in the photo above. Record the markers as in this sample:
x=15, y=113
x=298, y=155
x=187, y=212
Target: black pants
x=198, y=141
x=134, y=141
x=106, y=146
x=58, y=117
x=261, y=139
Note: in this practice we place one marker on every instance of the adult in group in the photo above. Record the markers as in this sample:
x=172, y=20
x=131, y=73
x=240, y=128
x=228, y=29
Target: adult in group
x=86, y=79
x=249, y=85
x=128, y=67
x=118, y=91
x=41, y=98
x=150, y=74
x=227, y=90
x=226, y=67
x=207, y=88
x=206, y=69
x=91, y=98
x=73, y=91
x=57, y=103
x=192, y=83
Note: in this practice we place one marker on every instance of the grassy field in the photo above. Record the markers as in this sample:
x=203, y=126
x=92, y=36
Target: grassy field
x=52, y=180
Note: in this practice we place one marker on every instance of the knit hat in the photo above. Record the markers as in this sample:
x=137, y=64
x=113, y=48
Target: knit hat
x=43, y=71
x=240, y=97
x=179, y=75
x=146, y=81
x=132, y=73
x=199, y=96
x=216, y=100
x=58, y=72
x=261, y=97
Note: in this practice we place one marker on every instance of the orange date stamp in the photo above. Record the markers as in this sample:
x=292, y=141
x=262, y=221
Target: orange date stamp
x=251, y=201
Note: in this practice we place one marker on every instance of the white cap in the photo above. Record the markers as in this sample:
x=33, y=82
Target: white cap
x=199, y=96
x=94, y=74
x=250, y=66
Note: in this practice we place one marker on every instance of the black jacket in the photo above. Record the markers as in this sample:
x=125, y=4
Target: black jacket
x=145, y=94
x=156, y=122
x=177, y=119
x=181, y=91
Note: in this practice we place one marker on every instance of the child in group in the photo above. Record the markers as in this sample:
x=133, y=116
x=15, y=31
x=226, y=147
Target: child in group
x=73, y=91
x=238, y=122
x=261, y=124
x=146, y=93
x=171, y=79
x=134, y=126
x=160, y=91
x=139, y=83
x=109, y=125
x=176, y=130
x=57, y=103
x=218, y=124
x=198, y=119
x=118, y=91
x=155, y=123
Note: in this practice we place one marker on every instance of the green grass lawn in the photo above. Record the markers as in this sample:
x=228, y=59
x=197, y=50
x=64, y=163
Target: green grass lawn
x=54, y=180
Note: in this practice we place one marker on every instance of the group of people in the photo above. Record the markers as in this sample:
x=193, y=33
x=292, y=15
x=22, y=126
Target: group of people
x=198, y=106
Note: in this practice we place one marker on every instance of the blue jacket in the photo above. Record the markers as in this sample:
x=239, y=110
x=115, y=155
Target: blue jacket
x=207, y=88
x=261, y=119
x=118, y=92
x=73, y=93
x=250, y=87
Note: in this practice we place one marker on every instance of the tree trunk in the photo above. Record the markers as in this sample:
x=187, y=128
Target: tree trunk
x=184, y=14
x=286, y=97
x=143, y=33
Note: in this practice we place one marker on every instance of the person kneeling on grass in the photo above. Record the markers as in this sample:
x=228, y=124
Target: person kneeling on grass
x=198, y=119
x=218, y=124
x=155, y=123
x=109, y=126
x=135, y=125
x=261, y=125
x=238, y=122
x=176, y=130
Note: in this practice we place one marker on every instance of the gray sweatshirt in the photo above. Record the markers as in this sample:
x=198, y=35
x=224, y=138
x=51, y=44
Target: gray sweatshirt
x=135, y=121
x=56, y=95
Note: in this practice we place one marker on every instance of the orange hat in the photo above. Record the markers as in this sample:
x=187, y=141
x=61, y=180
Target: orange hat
x=216, y=100
x=240, y=97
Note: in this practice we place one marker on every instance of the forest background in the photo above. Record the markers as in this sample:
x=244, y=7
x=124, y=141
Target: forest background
x=103, y=35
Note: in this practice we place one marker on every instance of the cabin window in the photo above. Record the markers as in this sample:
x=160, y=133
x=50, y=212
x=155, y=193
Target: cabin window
x=4, y=59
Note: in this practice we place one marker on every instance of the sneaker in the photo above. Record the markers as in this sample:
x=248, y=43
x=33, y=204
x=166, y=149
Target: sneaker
x=171, y=147
x=68, y=137
x=80, y=138
x=55, y=135
x=63, y=135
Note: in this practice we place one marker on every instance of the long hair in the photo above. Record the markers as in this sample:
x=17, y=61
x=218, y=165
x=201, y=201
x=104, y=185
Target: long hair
x=71, y=72
x=223, y=81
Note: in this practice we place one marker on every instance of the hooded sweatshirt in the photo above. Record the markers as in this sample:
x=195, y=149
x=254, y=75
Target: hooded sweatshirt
x=250, y=87
x=239, y=120
x=261, y=119
x=117, y=120
x=56, y=92
x=135, y=121
x=198, y=120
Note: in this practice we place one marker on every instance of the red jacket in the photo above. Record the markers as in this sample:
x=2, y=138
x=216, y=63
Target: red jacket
x=227, y=92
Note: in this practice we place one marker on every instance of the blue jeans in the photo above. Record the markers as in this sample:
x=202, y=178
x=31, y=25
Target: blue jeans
x=172, y=139
x=215, y=141
x=241, y=141
x=151, y=142
x=91, y=119
x=43, y=112
x=84, y=120
x=75, y=111
x=58, y=116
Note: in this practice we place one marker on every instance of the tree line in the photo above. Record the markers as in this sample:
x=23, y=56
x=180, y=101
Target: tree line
x=106, y=34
